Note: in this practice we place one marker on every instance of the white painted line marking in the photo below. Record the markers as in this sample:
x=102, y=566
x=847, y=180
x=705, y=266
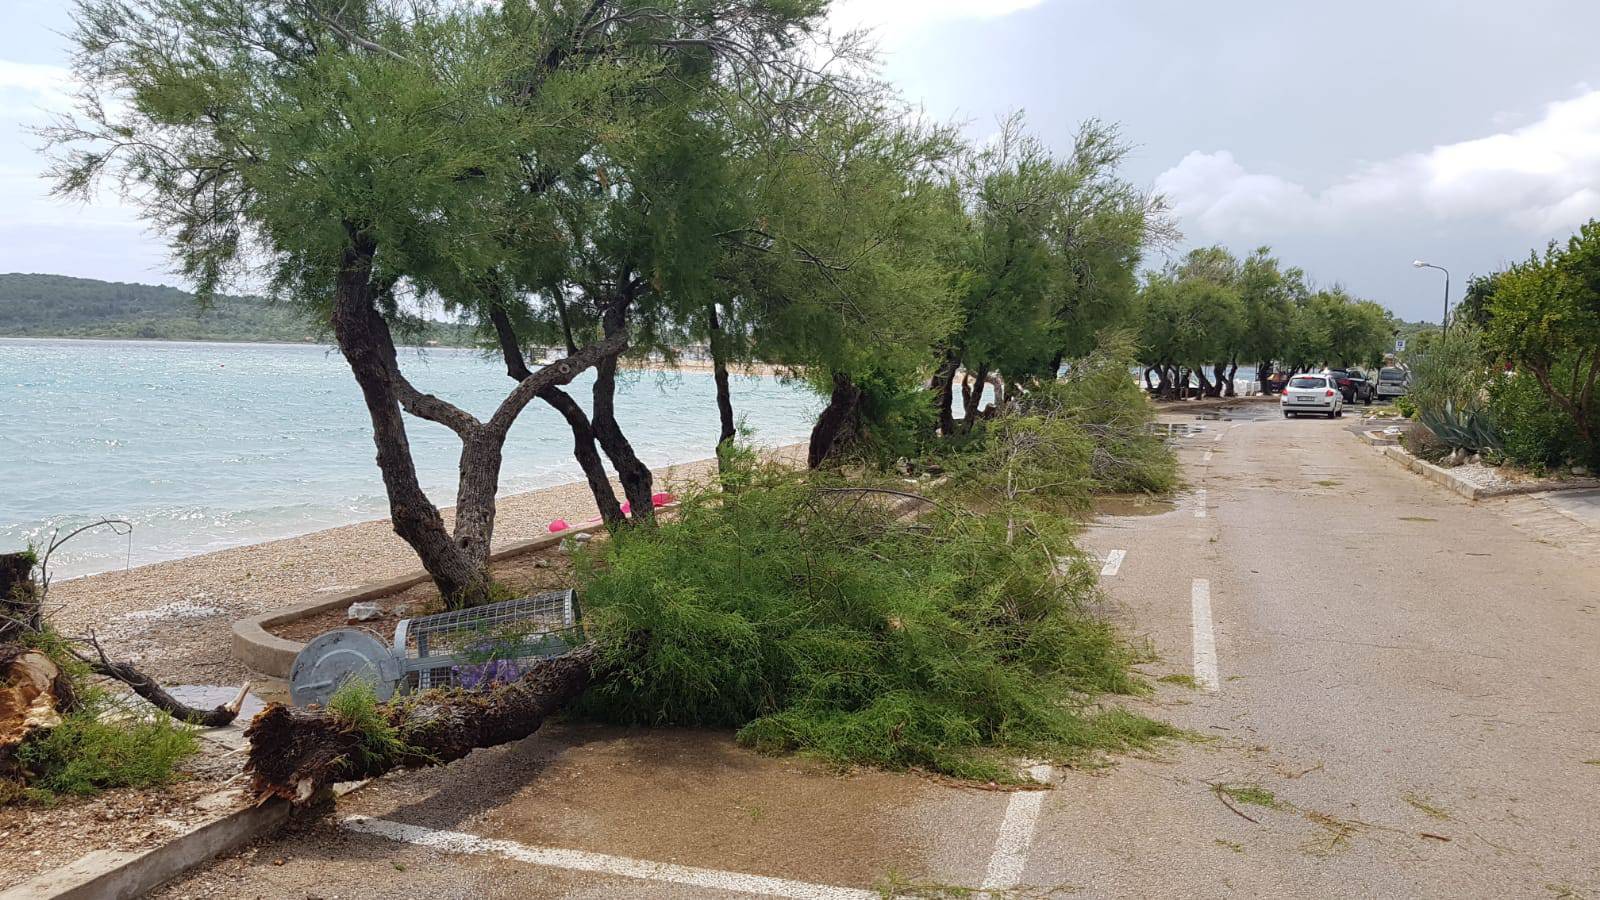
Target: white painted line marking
x=1113, y=563
x=1016, y=836
x=600, y=863
x=1205, y=643
x=1200, y=504
x=1218, y=437
x=1207, y=458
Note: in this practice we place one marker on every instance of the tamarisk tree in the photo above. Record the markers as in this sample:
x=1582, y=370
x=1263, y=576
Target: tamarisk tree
x=362, y=157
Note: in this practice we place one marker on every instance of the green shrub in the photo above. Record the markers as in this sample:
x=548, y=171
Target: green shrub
x=1537, y=433
x=1102, y=400
x=812, y=620
x=356, y=707
x=1452, y=372
x=1405, y=406
x=104, y=744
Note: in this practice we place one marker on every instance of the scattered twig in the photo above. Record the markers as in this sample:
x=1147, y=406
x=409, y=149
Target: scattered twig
x=1222, y=795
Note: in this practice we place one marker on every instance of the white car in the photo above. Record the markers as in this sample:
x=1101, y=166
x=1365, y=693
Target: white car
x=1393, y=382
x=1312, y=394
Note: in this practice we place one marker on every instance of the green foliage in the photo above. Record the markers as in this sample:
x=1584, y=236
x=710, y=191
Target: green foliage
x=816, y=622
x=1453, y=372
x=1405, y=406
x=106, y=743
x=1544, y=319
x=356, y=707
x=1097, y=397
x=1468, y=430
x=1049, y=249
x=1537, y=433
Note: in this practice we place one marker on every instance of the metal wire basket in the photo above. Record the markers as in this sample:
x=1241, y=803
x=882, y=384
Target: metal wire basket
x=468, y=648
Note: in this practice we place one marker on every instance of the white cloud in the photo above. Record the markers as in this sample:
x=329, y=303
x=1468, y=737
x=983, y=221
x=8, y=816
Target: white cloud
x=1540, y=178
x=893, y=16
x=30, y=90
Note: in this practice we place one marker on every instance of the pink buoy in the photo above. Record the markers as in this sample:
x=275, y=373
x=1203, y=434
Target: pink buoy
x=559, y=525
x=662, y=499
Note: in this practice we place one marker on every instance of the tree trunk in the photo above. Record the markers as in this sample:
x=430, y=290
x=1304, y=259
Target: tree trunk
x=831, y=423
x=1205, y=389
x=364, y=339
x=944, y=391
x=971, y=400
x=584, y=449
x=297, y=753
x=587, y=453
x=1233, y=370
x=637, y=482
x=719, y=374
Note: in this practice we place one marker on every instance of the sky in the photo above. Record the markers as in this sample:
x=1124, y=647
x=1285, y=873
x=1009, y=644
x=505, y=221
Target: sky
x=1351, y=137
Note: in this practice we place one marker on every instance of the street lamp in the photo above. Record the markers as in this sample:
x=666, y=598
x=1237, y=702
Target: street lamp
x=1445, y=322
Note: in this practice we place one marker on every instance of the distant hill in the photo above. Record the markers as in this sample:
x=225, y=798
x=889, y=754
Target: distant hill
x=59, y=306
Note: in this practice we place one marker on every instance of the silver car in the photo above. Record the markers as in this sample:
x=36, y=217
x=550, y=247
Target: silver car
x=1393, y=382
x=1312, y=394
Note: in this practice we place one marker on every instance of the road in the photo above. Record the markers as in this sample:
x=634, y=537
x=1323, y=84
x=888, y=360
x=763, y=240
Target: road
x=1394, y=693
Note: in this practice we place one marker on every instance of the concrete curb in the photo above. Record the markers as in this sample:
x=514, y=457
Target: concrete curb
x=1472, y=491
x=115, y=874
x=1434, y=473
x=261, y=651
x=1378, y=438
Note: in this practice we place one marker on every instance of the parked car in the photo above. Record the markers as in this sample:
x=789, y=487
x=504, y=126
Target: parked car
x=1393, y=381
x=1307, y=394
x=1355, y=385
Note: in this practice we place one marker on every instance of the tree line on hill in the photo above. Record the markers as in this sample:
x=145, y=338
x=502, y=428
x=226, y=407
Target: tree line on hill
x=46, y=306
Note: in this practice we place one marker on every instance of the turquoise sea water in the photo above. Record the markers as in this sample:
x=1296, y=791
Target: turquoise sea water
x=204, y=446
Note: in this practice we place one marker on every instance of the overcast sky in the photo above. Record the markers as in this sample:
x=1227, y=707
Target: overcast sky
x=1353, y=137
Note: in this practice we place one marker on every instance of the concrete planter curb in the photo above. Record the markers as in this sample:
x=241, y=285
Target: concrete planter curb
x=261, y=651
x=1434, y=473
x=114, y=874
x=1472, y=491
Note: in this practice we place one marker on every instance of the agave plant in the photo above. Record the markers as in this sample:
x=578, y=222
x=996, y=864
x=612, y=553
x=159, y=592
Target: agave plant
x=1470, y=431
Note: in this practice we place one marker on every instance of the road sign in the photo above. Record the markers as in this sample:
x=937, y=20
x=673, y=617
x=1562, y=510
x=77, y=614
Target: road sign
x=1400, y=345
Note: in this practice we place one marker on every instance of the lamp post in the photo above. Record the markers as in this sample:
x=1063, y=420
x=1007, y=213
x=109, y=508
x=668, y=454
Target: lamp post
x=1444, y=323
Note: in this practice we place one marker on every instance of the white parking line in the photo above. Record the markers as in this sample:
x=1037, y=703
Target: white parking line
x=603, y=864
x=1016, y=836
x=1206, y=458
x=1218, y=437
x=1205, y=643
x=1200, y=504
x=1113, y=563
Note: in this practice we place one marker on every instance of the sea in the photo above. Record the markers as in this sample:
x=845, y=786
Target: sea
x=204, y=446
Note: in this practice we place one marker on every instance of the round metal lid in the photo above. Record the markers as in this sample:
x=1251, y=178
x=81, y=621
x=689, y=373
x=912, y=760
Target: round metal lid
x=336, y=656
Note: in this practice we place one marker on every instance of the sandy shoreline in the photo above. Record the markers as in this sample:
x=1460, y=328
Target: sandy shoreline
x=174, y=617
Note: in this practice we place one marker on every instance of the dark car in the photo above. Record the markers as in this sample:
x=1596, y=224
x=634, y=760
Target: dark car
x=1355, y=386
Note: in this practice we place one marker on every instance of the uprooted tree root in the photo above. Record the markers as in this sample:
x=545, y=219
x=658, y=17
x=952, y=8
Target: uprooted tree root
x=296, y=753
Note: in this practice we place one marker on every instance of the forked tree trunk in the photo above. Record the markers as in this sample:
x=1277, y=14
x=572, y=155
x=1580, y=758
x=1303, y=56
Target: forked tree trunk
x=364, y=340
x=637, y=482
x=719, y=374
x=835, y=419
x=584, y=448
x=296, y=753
x=458, y=562
x=944, y=392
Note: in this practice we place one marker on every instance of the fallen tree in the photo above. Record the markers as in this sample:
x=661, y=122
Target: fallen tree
x=296, y=753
